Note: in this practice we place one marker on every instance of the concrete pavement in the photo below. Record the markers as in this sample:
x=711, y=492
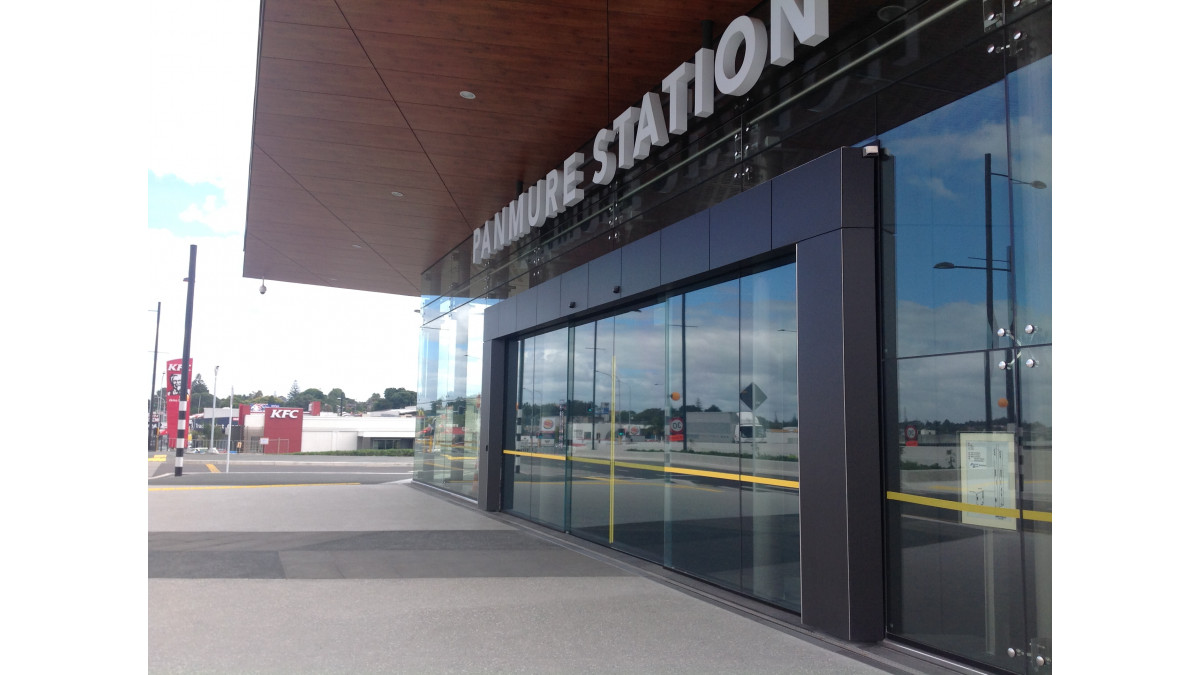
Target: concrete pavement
x=400, y=578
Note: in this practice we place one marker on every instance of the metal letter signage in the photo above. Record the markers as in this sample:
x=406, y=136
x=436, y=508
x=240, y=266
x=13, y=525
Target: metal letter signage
x=639, y=128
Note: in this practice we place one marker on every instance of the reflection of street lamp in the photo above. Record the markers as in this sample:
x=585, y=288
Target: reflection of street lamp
x=990, y=267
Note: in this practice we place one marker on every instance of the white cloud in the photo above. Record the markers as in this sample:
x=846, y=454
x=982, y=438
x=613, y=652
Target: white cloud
x=222, y=218
x=321, y=337
x=203, y=58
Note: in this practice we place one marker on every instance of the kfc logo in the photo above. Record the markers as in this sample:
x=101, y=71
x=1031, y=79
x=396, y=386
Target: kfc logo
x=281, y=413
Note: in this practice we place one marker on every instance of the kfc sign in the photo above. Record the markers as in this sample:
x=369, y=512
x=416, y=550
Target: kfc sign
x=285, y=428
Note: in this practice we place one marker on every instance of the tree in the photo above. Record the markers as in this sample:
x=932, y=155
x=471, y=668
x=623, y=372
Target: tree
x=198, y=386
x=294, y=394
x=400, y=397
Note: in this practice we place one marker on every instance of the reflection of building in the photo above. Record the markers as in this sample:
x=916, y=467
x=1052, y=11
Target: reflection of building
x=781, y=241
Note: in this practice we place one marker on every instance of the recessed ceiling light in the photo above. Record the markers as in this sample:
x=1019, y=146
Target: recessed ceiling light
x=888, y=13
x=397, y=194
x=356, y=245
x=467, y=95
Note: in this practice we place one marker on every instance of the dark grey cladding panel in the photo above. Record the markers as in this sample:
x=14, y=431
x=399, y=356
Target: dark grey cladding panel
x=858, y=189
x=548, y=301
x=741, y=226
x=527, y=302
x=506, y=311
x=806, y=201
x=639, y=265
x=573, y=288
x=491, y=322
x=604, y=275
x=685, y=248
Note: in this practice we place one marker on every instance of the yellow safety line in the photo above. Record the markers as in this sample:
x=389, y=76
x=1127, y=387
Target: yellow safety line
x=238, y=487
x=745, y=478
x=158, y=458
x=212, y=468
x=1042, y=516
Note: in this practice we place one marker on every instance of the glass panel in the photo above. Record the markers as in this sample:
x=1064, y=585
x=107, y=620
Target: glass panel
x=769, y=437
x=950, y=225
x=519, y=468
x=705, y=511
x=592, y=432
x=955, y=546
x=550, y=468
x=638, y=376
x=1031, y=192
x=448, y=397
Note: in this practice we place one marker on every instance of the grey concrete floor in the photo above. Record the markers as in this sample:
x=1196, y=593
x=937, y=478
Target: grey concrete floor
x=394, y=578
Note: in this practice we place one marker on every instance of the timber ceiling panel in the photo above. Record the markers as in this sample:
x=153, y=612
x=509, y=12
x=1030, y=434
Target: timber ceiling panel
x=357, y=99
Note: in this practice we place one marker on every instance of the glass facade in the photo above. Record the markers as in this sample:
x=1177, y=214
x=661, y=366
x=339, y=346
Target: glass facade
x=449, y=390
x=667, y=428
x=669, y=431
x=968, y=363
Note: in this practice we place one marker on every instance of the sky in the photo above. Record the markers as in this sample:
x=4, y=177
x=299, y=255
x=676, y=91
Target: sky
x=197, y=167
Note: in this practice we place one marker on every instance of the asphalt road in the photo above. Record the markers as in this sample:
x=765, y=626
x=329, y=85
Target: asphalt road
x=217, y=470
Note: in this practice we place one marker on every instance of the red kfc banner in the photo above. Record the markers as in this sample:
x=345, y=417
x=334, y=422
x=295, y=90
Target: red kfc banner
x=175, y=389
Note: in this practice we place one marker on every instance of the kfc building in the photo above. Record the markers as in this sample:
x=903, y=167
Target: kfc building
x=272, y=430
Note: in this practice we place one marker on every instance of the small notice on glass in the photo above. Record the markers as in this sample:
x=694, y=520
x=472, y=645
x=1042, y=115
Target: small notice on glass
x=988, y=474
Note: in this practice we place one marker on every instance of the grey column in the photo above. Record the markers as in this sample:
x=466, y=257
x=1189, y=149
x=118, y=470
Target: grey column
x=841, y=517
x=491, y=425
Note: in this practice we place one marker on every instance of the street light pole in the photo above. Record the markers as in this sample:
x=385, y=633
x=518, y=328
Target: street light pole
x=212, y=423
x=186, y=386
x=150, y=440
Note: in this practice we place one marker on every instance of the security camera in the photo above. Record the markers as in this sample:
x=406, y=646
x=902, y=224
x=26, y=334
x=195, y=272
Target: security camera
x=262, y=290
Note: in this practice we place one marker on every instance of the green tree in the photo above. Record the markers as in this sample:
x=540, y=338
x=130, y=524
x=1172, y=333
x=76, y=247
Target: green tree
x=400, y=397
x=198, y=385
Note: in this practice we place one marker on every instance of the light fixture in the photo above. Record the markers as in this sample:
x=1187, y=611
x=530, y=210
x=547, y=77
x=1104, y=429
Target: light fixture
x=889, y=13
x=356, y=245
x=470, y=96
x=263, y=289
x=397, y=194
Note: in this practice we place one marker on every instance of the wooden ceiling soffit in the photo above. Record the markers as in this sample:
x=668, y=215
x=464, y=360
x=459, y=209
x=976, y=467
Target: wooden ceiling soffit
x=283, y=149
x=321, y=44
x=333, y=131
x=331, y=107
x=304, y=169
x=311, y=12
x=501, y=23
x=325, y=78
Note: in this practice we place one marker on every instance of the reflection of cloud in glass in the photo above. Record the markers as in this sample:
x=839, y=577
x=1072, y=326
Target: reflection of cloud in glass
x=942, y=388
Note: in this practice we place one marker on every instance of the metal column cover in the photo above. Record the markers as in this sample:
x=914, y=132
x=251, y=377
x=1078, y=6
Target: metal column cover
x=491, y=426
x=841, y=527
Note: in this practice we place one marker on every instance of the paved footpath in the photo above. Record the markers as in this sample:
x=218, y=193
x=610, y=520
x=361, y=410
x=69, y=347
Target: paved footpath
x=399, y=578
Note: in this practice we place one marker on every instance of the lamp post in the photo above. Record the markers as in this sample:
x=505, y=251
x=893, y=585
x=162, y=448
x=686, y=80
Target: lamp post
x=989, y=267
x=151, y=441
x=212, y=423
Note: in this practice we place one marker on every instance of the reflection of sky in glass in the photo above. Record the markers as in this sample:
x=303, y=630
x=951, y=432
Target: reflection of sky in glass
x=769, y=340
x=939, y=216
x=451, y=354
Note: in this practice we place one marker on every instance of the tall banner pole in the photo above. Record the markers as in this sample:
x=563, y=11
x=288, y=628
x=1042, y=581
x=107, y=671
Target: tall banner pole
x=150, y=426
x=186, y=382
